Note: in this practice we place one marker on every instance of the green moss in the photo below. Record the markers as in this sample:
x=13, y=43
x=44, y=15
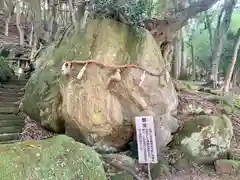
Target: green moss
x=227, y=99
x=205, y=138
x=221, y=126
x=188, y=85
x=56, y=158
x=195, y=125
x=134, y=11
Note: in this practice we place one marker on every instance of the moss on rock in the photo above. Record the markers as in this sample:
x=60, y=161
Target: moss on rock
x=41, y=98
x=101, y=114
x=57, y=158
x=205, y=138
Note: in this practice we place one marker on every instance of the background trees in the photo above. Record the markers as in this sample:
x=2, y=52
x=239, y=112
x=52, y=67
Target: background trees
x=203, y=32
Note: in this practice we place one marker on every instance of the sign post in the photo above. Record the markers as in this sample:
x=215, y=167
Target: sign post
x=146, y=141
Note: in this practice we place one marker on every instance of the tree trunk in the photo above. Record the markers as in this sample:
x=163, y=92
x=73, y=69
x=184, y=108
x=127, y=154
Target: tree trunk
x=53, y=19
x=34, y=47
x=80, y=11
x=234, y=79
x=220, y=36
x=215, y=62
x=44, y=12
x=36, y=19
x=176, y=62
x=73, y=14
x=18, y=22
x=31, y=35
x=193, y=61
x=210, y=31
x=231, y=67
x=8, y=8
x=7, y=25
x=183, y=72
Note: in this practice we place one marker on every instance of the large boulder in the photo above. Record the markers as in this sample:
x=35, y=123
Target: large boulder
x=205, y=138
x=57, y=158
x=87, y=109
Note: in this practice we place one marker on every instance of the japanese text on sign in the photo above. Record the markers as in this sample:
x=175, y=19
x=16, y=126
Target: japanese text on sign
x=146, y=140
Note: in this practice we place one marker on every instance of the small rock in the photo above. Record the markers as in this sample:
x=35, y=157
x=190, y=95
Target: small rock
x=225, y=166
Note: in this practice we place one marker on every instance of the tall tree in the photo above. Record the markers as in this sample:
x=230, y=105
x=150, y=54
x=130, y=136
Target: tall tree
x=8, y=9
x=232, y=65
x=183, y=71
x=176, y=61
x=223, y=23
x=18, y=22
x=52, y=19
x=73, y=14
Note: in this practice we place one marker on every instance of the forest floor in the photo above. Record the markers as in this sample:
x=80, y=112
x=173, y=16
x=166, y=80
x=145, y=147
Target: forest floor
x=198, y=172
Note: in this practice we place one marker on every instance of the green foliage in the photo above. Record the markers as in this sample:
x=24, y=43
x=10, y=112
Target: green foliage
x=226, y=58
x=202, y=48
x=237, y=104
x=134, y=11
x=6, y=73
x=235, y=22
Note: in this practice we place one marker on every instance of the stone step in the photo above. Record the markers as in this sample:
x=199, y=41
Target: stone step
x=9, y=104
x=9, y=123
x=8, y=110
x=18, y=82
x=9, y=137
x=10, y=117
x=11, y=90
x=11, y=129
x=11, y=94
x=12, y=86
x=10, y=99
